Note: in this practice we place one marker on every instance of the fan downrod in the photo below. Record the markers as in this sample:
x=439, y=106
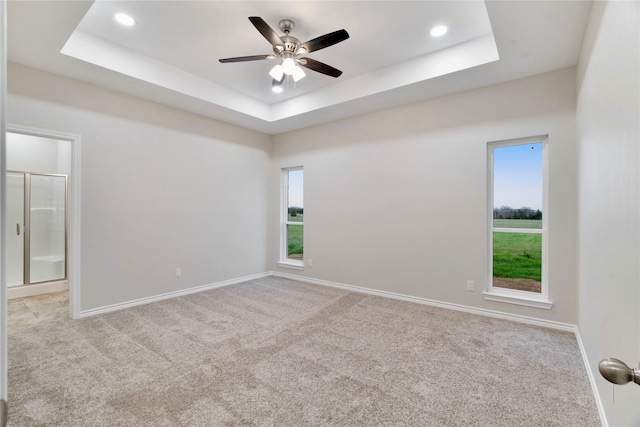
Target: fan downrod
x=286, y=25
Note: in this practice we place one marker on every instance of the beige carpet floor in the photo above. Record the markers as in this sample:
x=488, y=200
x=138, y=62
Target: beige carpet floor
x=275, y=352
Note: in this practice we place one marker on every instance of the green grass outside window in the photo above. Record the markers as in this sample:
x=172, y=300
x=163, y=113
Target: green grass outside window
x=517, y=255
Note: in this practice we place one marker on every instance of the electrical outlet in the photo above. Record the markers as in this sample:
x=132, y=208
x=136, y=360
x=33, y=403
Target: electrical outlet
x=309, y=263
x=471, y=285
x=178, y=272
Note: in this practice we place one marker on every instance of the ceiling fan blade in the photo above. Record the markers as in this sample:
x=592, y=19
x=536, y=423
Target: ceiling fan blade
x=246, y=58
x=320, y=67
x=264, y=28
x=324, y=41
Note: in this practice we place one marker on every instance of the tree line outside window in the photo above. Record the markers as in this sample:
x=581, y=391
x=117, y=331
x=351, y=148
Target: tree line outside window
x=507, y=212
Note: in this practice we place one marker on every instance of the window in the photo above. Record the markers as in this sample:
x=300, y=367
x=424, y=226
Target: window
x=517, y=229
x=292, y=224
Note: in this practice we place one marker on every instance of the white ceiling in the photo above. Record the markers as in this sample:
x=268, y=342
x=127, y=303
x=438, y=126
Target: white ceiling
x=171, y=54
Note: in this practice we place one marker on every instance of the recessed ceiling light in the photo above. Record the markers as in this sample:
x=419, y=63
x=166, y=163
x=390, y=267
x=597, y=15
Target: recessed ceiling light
x=439, y=30
x=124, y=19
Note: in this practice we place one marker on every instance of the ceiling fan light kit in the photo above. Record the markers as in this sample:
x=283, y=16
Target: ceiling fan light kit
x=276, y=85
x=277, y=72
x=288, y=65
x=288, y=50
x=298, y=73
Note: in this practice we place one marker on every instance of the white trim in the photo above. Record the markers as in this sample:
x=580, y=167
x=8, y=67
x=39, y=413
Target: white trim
x=282, y=223
x=168, y=295
x=284, y=260
x=4, y=355
x=292, y=265
x=592, y=381
x=74, y=251
x=22, y=291
x=458, y=307
x=530, y=299
x=518, y=298
x=518, y=230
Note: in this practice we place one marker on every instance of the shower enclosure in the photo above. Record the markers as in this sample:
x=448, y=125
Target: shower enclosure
x=36, y=228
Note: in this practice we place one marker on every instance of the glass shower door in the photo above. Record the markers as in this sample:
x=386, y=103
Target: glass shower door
x=47, y=232
x=14, y=226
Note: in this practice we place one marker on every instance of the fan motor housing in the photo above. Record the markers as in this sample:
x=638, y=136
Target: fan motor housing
x=290, y=43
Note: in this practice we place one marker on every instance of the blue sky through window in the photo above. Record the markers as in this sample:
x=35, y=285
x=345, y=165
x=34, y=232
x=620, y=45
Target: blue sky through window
x=296, y=180
x=517, y=176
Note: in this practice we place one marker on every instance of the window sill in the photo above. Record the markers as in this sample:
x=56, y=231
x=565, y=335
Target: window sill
x=291, y=264
x=518, y=298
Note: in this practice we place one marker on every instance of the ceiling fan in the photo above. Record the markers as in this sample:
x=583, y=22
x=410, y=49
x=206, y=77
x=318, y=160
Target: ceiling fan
x=290, y=50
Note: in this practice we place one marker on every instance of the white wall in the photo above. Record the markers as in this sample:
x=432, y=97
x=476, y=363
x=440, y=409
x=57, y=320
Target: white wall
x=161, y=188
x=397, y=200
x=29, y=153
x=608, y=114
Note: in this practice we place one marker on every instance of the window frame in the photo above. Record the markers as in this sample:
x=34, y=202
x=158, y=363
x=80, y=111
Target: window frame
x=285, y=261
x=513, y=296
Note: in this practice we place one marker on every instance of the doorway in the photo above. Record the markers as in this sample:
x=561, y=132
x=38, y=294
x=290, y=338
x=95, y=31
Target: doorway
x=37, y=214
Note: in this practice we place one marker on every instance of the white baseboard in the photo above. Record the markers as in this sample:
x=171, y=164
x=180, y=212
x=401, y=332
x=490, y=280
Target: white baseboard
x=592, y=381
x=386, y=294
x=458, y=307
x=22, y=291
x=168, y=295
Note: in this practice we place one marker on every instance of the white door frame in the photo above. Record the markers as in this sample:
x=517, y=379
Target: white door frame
x=73, y=250
x=3, y=286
